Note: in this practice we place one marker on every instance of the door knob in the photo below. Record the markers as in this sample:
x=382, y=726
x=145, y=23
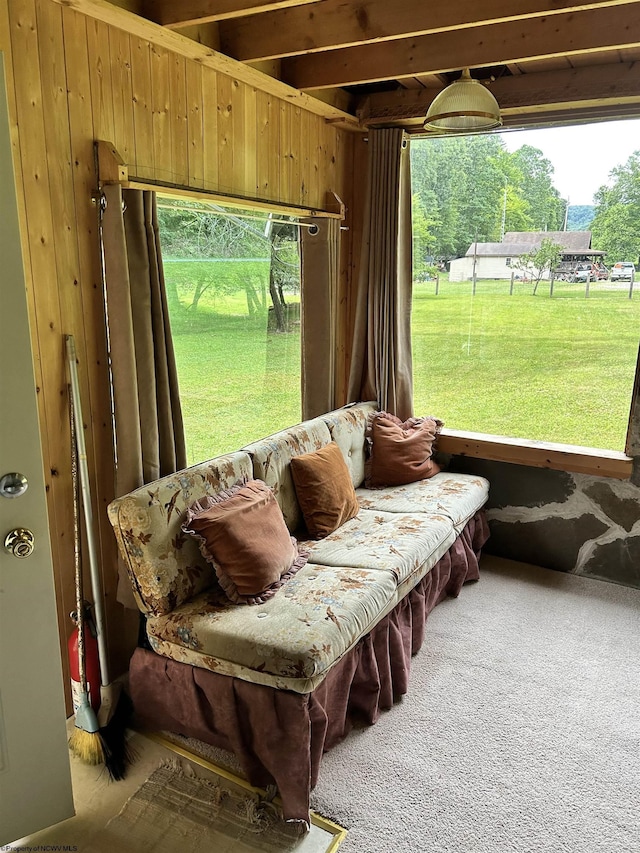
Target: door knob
x=19, y=542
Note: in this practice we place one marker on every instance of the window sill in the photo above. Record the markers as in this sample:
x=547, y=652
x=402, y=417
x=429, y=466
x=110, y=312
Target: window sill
x=537, y=454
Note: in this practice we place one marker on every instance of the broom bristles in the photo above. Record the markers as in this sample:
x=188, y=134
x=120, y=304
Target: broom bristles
x=86, y=742
x=87, y=746
x=105, y=744
x=118, y=752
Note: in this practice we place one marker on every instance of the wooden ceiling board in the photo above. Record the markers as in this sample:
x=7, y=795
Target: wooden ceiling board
x=594, y=30
x=609, y=87
x=175, y=14
x=555, y=63
x=337, y=24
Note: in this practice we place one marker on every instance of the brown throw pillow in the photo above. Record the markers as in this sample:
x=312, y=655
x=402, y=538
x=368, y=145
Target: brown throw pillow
x=400, y=452
x=242, y=533
x=324, y=489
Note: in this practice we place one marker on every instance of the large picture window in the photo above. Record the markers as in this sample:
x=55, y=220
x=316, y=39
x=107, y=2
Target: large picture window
x=233, y=290
x=525, y=314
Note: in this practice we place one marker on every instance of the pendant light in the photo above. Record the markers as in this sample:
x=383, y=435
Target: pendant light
x=465, y=105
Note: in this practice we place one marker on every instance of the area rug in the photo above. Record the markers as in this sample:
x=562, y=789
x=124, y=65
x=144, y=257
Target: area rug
x=520, y=732
x=177, y=810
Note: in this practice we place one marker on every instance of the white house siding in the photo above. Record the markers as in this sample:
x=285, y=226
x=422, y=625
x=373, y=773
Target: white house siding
x=461, y=269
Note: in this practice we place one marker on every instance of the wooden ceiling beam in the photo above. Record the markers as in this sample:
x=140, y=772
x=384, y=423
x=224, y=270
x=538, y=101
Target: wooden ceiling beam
x=516, y=41
x=336, y=24
x=613, y=88
x=175, y=14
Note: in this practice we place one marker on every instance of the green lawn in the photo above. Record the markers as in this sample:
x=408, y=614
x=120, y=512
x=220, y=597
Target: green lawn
x=238, y=381
x=557, y=369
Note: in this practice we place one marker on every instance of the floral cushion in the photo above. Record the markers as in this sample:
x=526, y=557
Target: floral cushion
x=164, y=564
x=347, y=427
x=289, y=642
x=271, y=457
x=457, y=496
x=403, y=544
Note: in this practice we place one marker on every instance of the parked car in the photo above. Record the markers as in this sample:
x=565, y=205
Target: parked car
x=595, y=272
x=581, y=273
x=622, y=271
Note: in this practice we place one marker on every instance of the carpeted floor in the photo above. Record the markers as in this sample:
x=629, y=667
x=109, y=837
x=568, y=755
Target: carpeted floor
x=520, y=732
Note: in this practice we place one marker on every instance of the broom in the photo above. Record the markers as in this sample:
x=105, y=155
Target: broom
x=85, y=741
x=115, y=707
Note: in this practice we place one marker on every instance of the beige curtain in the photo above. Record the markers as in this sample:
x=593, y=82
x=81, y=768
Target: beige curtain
x=149, y=435
x=381, y=367
x=320, y=253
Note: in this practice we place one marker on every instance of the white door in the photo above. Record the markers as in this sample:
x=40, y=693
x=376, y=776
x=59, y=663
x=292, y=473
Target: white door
x=35, y=780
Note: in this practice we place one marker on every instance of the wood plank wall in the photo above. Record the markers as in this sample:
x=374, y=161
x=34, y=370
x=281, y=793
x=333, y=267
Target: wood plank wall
x=76, y=79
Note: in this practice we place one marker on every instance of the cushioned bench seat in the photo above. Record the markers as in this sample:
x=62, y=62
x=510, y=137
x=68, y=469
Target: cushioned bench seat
x=457, y=496
x=405, y=544
x=292, y=640
x=279, y=683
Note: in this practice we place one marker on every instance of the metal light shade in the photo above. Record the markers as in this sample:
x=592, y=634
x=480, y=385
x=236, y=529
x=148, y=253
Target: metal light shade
x=465, y=105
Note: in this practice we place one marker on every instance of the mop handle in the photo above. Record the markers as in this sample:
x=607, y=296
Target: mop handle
x=96, y=584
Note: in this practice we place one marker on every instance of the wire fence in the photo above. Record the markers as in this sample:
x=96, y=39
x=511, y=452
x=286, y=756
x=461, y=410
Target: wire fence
x=518, y=286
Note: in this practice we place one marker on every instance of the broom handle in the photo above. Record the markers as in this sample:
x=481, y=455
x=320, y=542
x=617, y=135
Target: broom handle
x=96, y=583
x=82, y=672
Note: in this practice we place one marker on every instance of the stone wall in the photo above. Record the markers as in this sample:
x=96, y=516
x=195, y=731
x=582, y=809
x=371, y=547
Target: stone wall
x=570, y=522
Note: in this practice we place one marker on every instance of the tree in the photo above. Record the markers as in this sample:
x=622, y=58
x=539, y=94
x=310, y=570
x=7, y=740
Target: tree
x=539, y=261
x=615, y=224
x=189, y=231
x=467, y=187
x=546, y=208
x=459, y=183
x=284, y=268
x=423, y=238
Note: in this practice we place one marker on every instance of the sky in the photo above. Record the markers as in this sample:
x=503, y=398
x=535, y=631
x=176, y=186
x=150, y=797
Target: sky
x=582, y=155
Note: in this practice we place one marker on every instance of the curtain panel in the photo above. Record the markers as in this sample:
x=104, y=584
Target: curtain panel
x=381, y=364
x=148, y=427
x=320, y=260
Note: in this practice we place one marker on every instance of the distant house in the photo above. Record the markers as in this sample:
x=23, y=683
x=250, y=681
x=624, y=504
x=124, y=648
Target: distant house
x=497, y=260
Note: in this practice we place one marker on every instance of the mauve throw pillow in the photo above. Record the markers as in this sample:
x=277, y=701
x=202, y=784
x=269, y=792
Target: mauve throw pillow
x=324, y=489
x=400, y=451
x=243, y=534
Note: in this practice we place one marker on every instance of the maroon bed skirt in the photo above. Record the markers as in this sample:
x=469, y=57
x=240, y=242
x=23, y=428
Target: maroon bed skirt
x=279, y=736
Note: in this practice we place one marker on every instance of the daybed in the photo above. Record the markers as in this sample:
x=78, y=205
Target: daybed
x=279, y=683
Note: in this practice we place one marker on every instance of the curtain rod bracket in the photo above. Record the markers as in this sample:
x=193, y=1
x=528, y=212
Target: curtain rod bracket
x=111, y=167
x=99, y=198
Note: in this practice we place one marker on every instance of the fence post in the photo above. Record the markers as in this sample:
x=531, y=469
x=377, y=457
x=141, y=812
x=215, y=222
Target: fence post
x=631, y=283
x=437, y=282
x=511, y=286
x=551, y=281
x=588, y=282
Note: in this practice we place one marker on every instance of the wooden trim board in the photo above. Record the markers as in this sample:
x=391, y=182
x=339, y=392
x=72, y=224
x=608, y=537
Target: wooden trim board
x=537, y=454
